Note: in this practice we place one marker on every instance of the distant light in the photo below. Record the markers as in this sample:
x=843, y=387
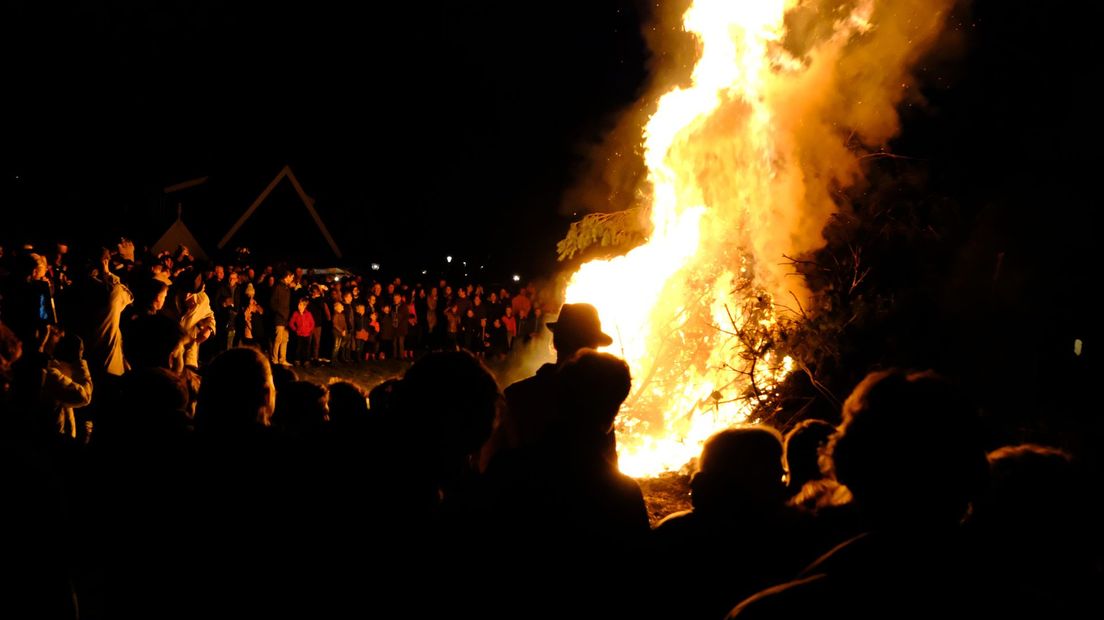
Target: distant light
x=425, y=271
x=448, y=259
x=481, y=266
x=1077, y=347
x=465, y=263
x=336, y=278
x=375, y=266
x=517, y=278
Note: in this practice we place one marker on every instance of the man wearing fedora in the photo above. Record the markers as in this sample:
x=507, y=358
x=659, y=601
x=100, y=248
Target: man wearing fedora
x=530, y=403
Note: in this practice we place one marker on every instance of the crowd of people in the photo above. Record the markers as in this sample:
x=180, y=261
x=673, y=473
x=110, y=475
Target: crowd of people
x=161, y=458
x=292, y=315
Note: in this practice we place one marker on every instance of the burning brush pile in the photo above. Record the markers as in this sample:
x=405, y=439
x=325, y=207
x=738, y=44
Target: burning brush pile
x=745, y=162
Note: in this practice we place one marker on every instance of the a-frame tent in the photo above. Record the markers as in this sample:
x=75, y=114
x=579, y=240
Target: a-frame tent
x=179, y=235
x=308, y=202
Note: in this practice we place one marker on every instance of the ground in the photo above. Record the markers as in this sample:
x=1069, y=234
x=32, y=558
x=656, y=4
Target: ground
x=665, y=494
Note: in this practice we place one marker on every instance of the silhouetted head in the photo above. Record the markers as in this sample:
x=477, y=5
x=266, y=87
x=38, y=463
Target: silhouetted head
x=577, y=327
x=190, y=282
x=155, y=409
x=804, y=445
x=908, y=449
x=283, y=376
x=11, y=349
x=151, y=341
x=150, y=294
x=740, y=467
x=69, y=349
x=32, y=266
x=302, y=409
x=237, y=395
x=591, y=387
x=1036, y=503
x=348, y=404
x=381, y=397
x=451, y=400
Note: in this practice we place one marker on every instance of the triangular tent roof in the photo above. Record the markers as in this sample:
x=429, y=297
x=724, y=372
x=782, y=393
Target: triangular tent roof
x=177, y=235
x=308, y=202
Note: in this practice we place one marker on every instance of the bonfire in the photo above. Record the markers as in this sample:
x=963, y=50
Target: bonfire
x=745, y=162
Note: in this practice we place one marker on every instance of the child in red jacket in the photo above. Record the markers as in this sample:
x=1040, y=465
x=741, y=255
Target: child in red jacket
x=302, y=324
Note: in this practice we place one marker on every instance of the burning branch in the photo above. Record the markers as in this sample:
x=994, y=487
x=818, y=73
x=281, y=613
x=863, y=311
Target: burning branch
x=618, y=232
x=857, y=274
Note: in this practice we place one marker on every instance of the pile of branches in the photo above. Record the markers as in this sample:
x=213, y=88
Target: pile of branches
x=601, y=234
x=875, y=275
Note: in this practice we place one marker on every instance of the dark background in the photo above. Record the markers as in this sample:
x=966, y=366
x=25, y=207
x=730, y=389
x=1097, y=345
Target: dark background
x=421, y=130
x=457, y=128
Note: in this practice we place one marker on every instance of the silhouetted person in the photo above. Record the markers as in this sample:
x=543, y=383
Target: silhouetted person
x=562, y=503
x=237, y=397
x=67, y=384
x=740, y=536
x=380, y=397
x=150, y=295
x=348, y=441
x=423, y=518
x=908, y=450
x=190, y=305
x=530, y=403
x=813, y=491
x=446, y=403
x=28, y=301
x=238, y=494
x=153, y=347
x=804, y=445
x=302, y=409
x=283, y=376
x=302, y=468
x=280, y=307
x=36, y=581
x=1036, y=529
x=107, y=298
x=348, y=408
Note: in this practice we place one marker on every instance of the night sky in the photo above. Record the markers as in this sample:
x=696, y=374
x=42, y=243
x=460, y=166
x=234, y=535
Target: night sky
x=422, y=130
x=452, y=128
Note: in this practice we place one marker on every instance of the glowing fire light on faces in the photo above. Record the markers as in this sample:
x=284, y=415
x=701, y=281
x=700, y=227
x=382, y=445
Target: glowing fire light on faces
x=728, y=163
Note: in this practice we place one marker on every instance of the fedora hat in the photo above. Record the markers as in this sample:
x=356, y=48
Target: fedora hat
x=580, y=321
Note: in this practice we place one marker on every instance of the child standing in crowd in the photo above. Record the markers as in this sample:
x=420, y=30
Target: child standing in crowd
x=302, y=323
x=524, y=325
x=320, y=310
x=373, y=335
x=468, y=328
x=361, y=333
x=387, y=332
x=340, y=332
x=350, y=320
x=252, y=319
x=509, y=322
x=482, y=339
x=400, y=319
x=452, y=329
x=497, y=338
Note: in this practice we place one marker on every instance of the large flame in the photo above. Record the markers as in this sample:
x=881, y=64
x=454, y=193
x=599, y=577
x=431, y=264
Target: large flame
x=742, y=166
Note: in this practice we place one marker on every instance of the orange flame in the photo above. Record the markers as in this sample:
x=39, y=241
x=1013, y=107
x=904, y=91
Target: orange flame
x=742, y=165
